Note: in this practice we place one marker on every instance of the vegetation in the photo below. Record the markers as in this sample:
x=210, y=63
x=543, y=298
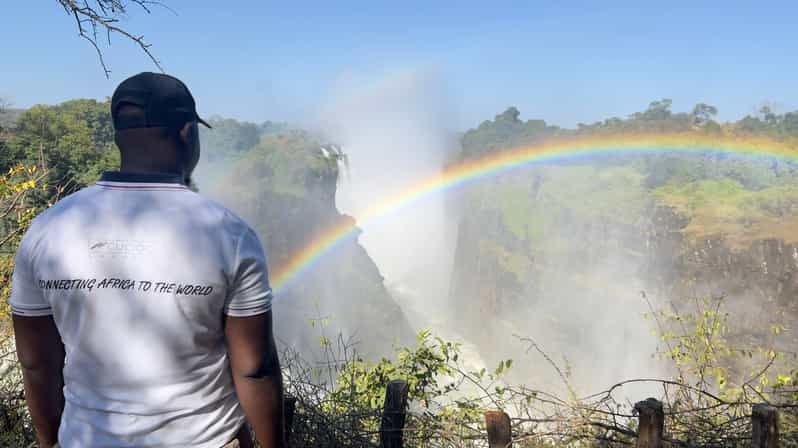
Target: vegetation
x=616, y=202
x=73, y=141
x=17, y=186
x=725, y=207
x=707, y=403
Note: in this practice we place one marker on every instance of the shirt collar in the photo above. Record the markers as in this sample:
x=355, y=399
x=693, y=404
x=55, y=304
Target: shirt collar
x=148, y=178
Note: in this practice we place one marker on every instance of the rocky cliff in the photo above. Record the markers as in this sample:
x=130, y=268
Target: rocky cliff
x=564, y=252
x=285, y=187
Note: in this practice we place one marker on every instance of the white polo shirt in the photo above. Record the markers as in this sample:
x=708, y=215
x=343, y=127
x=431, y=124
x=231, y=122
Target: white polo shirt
x=138, y=272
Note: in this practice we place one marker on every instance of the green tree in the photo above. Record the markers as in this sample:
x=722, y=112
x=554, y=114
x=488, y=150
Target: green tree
x=703, y=113
x=751, y=125
x=504, y=131
x=769, y=116
x=657, y=110
x=228, y=138
x=74, y=141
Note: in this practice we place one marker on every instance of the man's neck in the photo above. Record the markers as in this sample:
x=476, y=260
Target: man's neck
x=145, y=167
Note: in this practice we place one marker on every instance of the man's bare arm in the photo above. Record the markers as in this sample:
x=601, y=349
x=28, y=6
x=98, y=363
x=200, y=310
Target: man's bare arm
x=257, y=377
x=41, y=353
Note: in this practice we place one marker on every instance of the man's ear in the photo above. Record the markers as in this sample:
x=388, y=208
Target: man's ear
x=185, y=133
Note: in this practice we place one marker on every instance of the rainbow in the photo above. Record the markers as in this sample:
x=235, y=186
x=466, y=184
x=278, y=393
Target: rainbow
x=494, y=163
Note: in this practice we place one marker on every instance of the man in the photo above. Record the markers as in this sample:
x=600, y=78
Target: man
x=142, y=311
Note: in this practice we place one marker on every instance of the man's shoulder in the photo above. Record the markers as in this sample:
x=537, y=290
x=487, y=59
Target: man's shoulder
x=59, y=207
x=217, y=214
x=47, y=221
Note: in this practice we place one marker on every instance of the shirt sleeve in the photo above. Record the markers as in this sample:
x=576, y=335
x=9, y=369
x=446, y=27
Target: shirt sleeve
x=250, y=293
x=26, y=299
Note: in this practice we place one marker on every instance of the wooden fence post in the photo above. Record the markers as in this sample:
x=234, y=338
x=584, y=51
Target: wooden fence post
x=499, y=430
x=393, y=415
x=764, y=426
x=289, y=408
x=652, y=423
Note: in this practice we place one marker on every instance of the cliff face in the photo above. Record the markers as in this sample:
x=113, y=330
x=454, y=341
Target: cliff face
x=762, y=271
x=564, y=249
x=576, y=234
x=285, y=188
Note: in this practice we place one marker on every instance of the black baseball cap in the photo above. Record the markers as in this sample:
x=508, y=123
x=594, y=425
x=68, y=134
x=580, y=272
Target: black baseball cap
x=166, y=102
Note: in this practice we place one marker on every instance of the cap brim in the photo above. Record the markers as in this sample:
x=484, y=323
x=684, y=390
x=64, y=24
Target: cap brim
x=204, y=123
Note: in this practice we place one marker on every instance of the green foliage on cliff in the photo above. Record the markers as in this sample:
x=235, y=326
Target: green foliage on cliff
x=506, y=130
x=716, y=194
x=288, y=165
x=229, y=138
x=725, y=207
x=285, y=187
x=610, y=226
x=535, y=206
x=516, y=210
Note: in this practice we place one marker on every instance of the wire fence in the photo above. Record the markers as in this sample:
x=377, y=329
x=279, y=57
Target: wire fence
x=325, y=408
x=683, y=415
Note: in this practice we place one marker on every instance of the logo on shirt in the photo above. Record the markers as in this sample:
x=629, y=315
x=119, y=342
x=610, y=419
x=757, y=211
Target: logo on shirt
x=118, y=248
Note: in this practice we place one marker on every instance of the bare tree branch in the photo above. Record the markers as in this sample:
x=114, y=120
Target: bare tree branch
x=94, y=17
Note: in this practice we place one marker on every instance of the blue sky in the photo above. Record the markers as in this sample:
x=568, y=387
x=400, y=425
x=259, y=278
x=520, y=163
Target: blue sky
x=565, y=62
